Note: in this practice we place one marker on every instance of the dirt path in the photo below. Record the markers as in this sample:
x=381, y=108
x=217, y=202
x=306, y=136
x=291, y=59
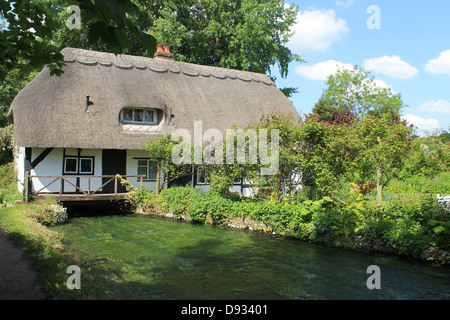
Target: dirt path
x=17, y=278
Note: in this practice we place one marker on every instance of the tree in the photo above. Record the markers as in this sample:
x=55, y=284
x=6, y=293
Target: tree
x=445, y=136
x=328, y=152
x=33, y=32
x=324, y=109
x=6, y=144
x=15, y=80
x=282, y=134
x=355, y=133
x=385, y=146
x=430, y=155
x=248, y=35
x=357, y=91
x=30, y=25
x=160, y=151
x=26, y=34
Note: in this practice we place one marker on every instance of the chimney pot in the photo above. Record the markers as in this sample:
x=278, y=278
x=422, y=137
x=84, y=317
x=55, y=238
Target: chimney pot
x=163, y=52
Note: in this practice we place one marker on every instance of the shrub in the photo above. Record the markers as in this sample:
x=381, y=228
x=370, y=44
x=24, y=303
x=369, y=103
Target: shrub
x=7, y=175
x=10, y=194
x=178, y=198
x=373, y=228
x=245, y=208
x=8, y=184
x=49, y=213
x=149, y=200
x=420, y=184
x=417, y=223
x=276, y=215
x=210, y=203
x=306, y=231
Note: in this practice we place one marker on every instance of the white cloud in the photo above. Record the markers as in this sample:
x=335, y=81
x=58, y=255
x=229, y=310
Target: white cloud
x=440, y=64
x=321, y=70
x=382, y=84
x=421, y=123
x=440, y=106
x=393, y=66
x=317, y=30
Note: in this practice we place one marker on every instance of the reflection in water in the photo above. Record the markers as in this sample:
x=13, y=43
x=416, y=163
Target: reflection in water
x=148, y=258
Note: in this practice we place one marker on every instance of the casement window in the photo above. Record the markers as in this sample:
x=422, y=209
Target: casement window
x=78, y=165
x=147, y=168
x=139, y=116
x=86, y=166
x=70, y=165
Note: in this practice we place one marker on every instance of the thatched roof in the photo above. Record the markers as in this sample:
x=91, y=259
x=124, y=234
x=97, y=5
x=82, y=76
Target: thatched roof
x=51, y=111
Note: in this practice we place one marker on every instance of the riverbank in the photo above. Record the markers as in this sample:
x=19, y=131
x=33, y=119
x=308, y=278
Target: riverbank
x=358, y=243
x=34, y=260
x=409, y=228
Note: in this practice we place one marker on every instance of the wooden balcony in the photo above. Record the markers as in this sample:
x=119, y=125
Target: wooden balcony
x=110, y=189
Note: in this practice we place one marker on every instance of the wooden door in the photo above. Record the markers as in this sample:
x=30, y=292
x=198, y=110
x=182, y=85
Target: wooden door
x=113, y=162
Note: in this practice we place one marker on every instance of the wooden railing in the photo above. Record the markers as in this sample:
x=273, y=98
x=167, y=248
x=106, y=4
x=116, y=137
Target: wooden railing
x=112, y=179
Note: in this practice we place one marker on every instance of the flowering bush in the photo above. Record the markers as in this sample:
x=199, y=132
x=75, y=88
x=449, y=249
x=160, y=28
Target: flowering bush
x=54, y=214
x=364, y=188
x=50, y=214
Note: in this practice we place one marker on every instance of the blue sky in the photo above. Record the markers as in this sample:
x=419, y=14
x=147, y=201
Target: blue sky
x=407, y=48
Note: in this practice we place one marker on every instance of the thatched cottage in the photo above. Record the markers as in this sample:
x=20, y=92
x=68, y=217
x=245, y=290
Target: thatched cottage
x=94, y=119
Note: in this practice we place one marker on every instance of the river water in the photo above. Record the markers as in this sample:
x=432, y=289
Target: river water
x=144, y=257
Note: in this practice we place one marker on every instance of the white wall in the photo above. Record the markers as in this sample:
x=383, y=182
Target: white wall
x=19, y=158
x=52, y=164
x=84, y=181
x=132, y=164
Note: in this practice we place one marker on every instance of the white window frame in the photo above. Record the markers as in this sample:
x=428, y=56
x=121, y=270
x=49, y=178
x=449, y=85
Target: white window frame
x=92, y=165
x=132, y=121
x=239, y=182
x=65, y=165
x=149, y=162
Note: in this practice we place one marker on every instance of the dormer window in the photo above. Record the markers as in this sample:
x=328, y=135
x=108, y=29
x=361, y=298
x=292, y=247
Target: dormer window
x=139, y=116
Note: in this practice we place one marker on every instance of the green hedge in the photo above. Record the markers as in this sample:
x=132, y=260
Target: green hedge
x=8, y=184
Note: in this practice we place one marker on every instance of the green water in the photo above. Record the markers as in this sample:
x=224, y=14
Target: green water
x=142, y=257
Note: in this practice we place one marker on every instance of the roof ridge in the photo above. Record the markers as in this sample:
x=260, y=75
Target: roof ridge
x=128, y=62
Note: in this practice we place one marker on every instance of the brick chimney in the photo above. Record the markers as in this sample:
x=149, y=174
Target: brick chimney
x=163, y=52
